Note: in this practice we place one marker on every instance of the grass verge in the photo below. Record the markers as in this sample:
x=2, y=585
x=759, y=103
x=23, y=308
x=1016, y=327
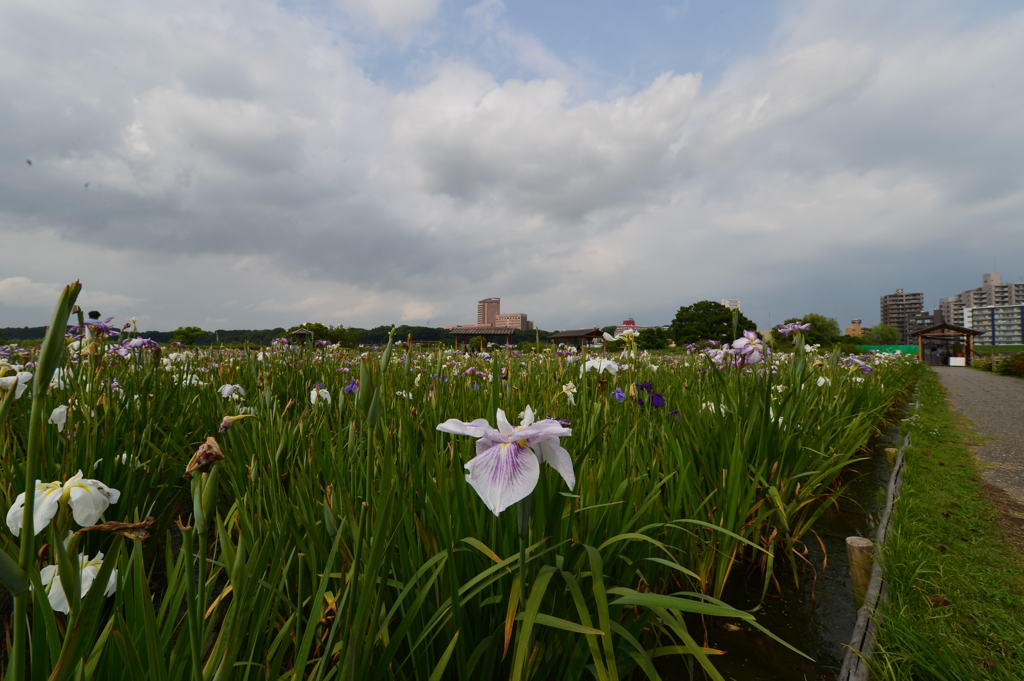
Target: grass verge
x=955, y=580
x=997, y=349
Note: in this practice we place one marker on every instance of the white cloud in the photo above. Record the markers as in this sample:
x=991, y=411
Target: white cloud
x=523, y=145
x=22, y=292
x=399, y=19
x=242, y=154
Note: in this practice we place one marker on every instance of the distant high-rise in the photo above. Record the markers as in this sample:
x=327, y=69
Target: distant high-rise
x=998, y=324
x=487, y=311
x=513, y=320
x=731, y=303
x=898, y=308
x=991, y=292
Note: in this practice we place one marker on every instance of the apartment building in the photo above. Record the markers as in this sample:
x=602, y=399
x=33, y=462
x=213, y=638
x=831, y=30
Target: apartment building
x=992, y=292
x=898, y=308
x=998, y=324
x=924, y=319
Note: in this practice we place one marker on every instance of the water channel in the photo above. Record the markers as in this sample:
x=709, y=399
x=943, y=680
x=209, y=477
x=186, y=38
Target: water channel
x=817, y=614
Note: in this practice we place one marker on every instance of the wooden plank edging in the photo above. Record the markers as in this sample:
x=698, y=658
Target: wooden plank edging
x=862, y=642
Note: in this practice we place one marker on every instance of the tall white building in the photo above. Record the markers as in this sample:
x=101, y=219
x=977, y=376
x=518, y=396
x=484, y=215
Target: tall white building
x=991, y=292
x=999, y=324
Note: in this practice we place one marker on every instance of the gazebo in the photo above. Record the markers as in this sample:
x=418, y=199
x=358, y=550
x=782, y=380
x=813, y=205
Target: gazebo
x=301, y=335
x=488, y=332
x=940, y=344
x=574, y=335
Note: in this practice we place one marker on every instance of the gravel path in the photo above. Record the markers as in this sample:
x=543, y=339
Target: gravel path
x=996, y=406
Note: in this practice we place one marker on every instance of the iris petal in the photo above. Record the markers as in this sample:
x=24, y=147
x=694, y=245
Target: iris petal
x=558, y=458
x=504, y=427
x=503, y=474
x=475, y=428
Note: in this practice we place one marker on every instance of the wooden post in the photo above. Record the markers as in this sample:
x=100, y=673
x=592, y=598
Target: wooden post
x=861, y=553
x=920, y=348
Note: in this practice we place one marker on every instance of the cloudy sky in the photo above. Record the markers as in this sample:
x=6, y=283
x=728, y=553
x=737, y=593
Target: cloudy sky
x=243, y=163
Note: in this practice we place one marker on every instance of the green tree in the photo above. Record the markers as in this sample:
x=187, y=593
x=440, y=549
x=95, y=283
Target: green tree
x=824, y=330
x=187, y=335
x=653, y=339
x=707, y=320
x=321, y=331
x=882, y=334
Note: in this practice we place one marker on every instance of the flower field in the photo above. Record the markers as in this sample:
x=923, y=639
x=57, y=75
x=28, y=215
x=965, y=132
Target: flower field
x=314, y=512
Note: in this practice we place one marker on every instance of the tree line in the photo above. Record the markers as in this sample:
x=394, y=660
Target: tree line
x=701, y=321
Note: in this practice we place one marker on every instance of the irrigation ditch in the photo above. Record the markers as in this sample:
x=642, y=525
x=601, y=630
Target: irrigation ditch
x=818, y=612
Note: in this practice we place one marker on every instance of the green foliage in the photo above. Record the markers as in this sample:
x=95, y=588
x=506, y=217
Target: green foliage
x=882, y=334
x=824, y=331
x=341, y=541
x=954, y=586
x=23, y=333
x=320, y=331
x=1004, y=365
x=653, y=339
x=1009, y=365
x=707, y=320
x=188, y=335
x=990, y=350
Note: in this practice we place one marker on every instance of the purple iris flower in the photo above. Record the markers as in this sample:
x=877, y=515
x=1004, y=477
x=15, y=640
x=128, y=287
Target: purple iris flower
x=854, y=362
x=793, y=327
x=351, y=387
x=507, y=465
x=103, y=327
x=137, y=343
x=750, y=346
x=653, y=397
x=619, y=395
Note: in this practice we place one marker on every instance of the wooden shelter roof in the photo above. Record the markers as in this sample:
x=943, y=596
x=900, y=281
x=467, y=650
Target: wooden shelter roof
x=578, y=333
x=945, y=329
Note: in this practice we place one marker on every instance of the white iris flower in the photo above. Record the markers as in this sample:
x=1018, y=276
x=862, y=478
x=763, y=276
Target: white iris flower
x=90, y=567
x=18, y=381
x=231, y=391
x=59, y=417
x=507, y=465
x=87, y=498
